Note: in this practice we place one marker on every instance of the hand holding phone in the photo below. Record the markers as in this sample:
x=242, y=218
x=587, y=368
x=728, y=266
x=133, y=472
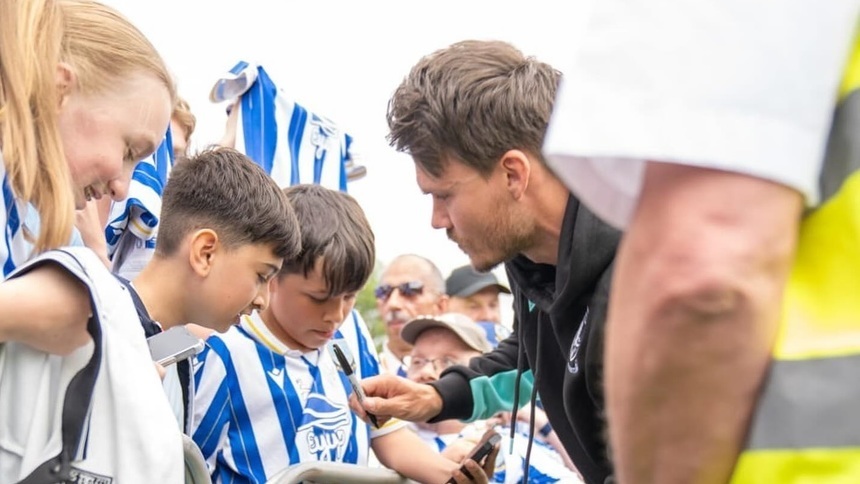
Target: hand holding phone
x=173, y=345
x=489, y=441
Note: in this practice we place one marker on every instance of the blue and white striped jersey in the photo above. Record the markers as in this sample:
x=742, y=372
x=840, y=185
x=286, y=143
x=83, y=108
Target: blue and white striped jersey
x=545, y=465
x=293, y=144
x=133, y=223
x=261, y=407
x=15, y=249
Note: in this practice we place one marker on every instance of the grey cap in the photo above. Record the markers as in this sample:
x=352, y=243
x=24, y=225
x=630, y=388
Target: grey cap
x=465, y=281
x=463, y=326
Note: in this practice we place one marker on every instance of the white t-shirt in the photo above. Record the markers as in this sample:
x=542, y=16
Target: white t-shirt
x=130, y=434
x=733, y=85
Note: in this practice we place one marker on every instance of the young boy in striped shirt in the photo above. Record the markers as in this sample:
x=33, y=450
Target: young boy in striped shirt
x=225, y=229
x=269, y=394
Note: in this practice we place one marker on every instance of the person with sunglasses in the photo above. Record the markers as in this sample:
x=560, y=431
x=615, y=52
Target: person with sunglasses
x=410, y=286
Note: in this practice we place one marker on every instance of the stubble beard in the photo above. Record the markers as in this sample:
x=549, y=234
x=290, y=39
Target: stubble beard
x=500, y=241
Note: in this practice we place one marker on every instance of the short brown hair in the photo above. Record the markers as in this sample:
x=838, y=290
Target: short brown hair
x=224, y=190
x=335, y=229
x=472, y=101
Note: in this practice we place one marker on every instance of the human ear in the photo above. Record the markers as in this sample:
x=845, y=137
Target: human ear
x=516, y=166
x=203, y=247
x=65, y=80
x=442, y=304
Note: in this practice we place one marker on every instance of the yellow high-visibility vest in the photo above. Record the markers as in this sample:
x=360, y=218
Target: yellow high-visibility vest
x=806, y=426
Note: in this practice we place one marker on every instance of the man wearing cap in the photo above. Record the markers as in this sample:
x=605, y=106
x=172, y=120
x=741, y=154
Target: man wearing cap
x=449, y=339
x=475, y=294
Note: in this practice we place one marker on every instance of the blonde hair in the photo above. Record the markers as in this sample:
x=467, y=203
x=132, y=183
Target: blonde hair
x=184, y=117
x=102, y=47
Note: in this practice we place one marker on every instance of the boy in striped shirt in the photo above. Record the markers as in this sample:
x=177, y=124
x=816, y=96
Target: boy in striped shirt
x=269, y=394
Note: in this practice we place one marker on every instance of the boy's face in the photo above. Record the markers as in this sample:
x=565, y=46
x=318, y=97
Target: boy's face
x=301, y=314
x=237, y=284
x=435, y=350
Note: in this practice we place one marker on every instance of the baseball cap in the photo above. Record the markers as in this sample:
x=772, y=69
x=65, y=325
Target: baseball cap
x=465, y=281
x=462, y=325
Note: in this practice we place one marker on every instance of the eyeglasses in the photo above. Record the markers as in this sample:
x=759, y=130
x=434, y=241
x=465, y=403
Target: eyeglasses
x=415, y=364
x=407, y=289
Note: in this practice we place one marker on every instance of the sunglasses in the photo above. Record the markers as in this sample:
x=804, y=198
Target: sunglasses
x=407, y=289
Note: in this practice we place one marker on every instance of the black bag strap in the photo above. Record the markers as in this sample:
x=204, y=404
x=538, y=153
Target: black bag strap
x=76, y=405
x=149, y=326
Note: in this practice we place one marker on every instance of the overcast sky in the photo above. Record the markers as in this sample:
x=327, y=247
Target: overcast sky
x=343, y=59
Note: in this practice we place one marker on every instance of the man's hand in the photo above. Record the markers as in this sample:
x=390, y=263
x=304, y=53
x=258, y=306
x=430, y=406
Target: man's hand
x=391, y=396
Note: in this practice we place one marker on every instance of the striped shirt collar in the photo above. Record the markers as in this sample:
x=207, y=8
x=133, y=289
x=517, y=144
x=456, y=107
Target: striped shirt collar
x=261, y=333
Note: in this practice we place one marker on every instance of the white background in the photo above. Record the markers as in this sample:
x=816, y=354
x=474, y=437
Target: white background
x=343, y=59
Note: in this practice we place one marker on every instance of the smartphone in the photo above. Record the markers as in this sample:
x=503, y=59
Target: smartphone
x=482, y=449
x=173, y=345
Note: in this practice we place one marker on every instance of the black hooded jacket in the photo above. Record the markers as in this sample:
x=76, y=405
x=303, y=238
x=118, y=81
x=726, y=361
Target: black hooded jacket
x=560, y=313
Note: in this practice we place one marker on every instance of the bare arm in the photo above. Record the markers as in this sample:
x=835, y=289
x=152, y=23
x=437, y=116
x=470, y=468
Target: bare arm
x=46, y=308
x=228, y=139
x=91, y=222
x=696, y=298
x=405, y=453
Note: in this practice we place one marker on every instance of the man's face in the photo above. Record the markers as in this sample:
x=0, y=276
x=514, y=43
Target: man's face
x=481, y=306
x=478, y=214
x=401, y=306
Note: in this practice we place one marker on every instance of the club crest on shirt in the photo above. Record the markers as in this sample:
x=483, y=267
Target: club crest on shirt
x=325, y=428
x=573, y=359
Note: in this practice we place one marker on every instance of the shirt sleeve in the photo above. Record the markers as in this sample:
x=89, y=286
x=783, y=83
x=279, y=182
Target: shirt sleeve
x=723, y=84
x=211, y=404
x=485, y=387
x=368, y=359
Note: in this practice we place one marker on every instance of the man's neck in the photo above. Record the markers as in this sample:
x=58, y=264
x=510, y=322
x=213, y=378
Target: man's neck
x=161, y=290
x=548, y=208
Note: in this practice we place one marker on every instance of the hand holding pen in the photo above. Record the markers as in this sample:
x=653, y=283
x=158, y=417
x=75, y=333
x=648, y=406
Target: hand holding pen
x=353, y=381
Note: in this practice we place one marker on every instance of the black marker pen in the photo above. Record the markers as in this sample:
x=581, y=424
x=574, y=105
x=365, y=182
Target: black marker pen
x=353, y=380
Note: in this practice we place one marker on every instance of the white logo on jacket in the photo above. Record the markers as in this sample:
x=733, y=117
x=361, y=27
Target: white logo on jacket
x=573, y=359
x=84, y=477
